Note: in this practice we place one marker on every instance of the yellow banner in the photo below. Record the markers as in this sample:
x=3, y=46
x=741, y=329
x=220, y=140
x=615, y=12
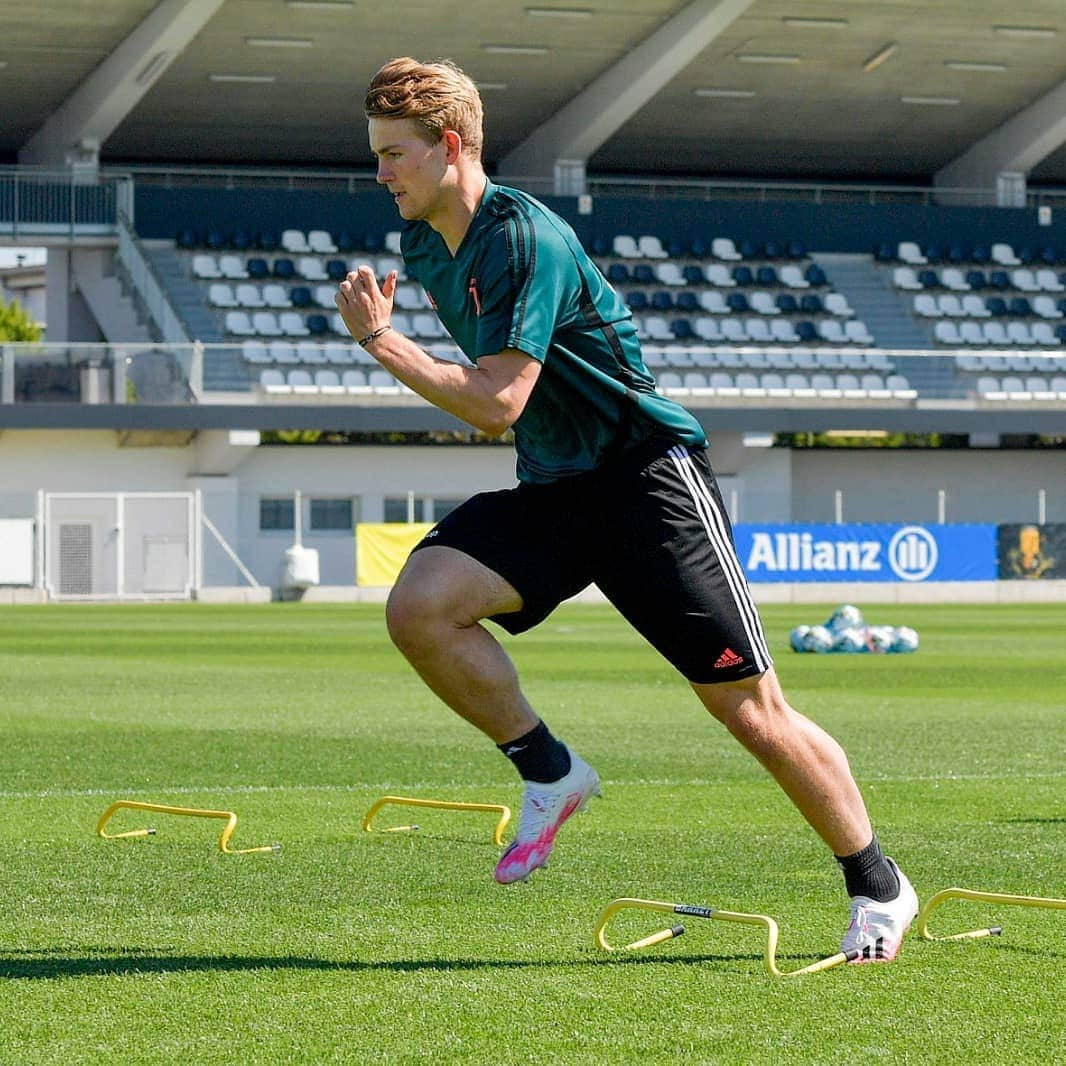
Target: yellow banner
x=381, y=549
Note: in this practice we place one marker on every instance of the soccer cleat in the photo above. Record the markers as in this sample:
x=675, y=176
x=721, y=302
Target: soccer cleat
x=876, y=929
x=544, y=809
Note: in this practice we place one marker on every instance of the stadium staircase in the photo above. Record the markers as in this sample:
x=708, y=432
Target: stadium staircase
x=109, y=301
x=225, y=370
x=887, y=314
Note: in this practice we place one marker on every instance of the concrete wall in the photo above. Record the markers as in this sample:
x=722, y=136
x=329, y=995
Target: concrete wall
x=770, y=484
x=893, y=485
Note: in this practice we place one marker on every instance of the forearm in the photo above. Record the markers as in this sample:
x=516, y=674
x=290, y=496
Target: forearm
x=467, y=392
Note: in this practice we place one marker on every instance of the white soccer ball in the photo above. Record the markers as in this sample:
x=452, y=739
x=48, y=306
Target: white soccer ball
x=798, y=638
x=906, y=640
x=819, y=640
x=851, y=641
x=880, y=639
x=845, y=617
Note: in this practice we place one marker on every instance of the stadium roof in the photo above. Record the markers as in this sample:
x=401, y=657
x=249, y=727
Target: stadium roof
x=830, y=89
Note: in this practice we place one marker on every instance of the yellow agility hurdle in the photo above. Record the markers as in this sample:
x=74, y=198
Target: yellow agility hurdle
x=764, y=920
x=503, y=811
x=189, y=812
x=980, y=897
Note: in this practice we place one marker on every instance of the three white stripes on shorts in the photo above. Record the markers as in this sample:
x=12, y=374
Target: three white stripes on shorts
x=713, y=522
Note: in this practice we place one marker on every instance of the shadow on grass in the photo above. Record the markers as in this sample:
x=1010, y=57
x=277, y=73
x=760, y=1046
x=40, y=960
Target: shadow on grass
x=56, y=963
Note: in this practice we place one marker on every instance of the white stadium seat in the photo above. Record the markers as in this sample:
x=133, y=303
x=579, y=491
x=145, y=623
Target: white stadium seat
x=354, y=381
x=1048, y=281
x=232, y=267
x=310, y=353
x=792, y=277
x=255, y=352
x=1046, y=307
x=947, y=333
x=973, y=306
x=718, y=274
x=1043, y=335
x=273, y=381
x=733, y=330
x=325, y=296
x=301, y=382
x=205, y=266
x=282, y=351
x=219, y=294
x=651, y=247
x=239, y=324
x=1003, y=254
x=909, y=252
x=1018, y=333
x=724, y=248
x=905, y=278
x=712, y=300
x=328, y=383
x=250, y=295
x=320, y=241
x=784, y=331
x=1024, y=280
x=954, y=279
x=669, y=273
x=625, y=246
x=950, y=305
x=707, y=328
x=392, y=241
x=763, y=303
x=836, y=303
x=276, y=296
x=925, y=304
x=266, y=324
x=657, y=328
x=855, y=330
x=429, y=326
x=294, y=241
x=311, y=268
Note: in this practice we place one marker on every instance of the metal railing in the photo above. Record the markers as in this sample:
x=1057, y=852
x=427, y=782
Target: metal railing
x=61, y=204
x=149, y=289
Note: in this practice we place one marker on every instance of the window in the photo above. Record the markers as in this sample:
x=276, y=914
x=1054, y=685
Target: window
x=276, y=514
x=442, y=508
x=331, y=515
x=396, y=508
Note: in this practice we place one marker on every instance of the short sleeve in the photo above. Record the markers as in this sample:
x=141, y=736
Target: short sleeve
x=519, y=291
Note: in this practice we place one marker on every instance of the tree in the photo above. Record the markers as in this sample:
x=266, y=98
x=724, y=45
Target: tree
x=16, y=325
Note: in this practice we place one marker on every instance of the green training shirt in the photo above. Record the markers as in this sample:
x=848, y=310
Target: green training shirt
x=520, y=279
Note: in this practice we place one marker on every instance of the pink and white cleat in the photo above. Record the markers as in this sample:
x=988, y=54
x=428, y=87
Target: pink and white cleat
x=876, y=929
x=544, y=809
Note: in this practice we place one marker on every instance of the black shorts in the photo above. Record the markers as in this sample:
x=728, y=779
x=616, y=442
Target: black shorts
x=650, y=530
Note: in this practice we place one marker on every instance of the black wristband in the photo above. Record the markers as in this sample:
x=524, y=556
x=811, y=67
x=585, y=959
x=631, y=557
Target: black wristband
x=371, y=337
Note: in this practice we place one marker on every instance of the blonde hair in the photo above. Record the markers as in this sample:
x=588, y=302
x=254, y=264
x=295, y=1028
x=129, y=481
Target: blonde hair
x=439, y=96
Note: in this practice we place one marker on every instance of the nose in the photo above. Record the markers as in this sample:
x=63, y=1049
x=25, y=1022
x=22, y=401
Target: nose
x=384, y=173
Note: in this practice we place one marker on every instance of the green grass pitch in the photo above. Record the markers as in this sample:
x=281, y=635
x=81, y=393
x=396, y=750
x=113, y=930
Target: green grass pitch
x=390, y=948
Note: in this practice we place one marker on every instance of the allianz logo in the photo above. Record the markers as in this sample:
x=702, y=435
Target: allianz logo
x=911, y=554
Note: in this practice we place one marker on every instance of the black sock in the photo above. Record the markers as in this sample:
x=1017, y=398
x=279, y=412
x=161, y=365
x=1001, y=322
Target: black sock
x=869, y=873
x=538, y=755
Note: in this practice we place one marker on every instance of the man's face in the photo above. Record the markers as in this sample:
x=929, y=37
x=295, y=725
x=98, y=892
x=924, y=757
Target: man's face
x=413, y=169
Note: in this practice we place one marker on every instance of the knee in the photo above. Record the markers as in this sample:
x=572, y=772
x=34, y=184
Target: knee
x=409, y=613
x=756, y=715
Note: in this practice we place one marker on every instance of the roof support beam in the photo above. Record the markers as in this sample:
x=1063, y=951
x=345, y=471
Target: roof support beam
x=1001, y=160
x=561, y=147
x=73, y=134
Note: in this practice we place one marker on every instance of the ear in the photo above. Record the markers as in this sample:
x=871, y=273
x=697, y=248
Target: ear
x=453, y=146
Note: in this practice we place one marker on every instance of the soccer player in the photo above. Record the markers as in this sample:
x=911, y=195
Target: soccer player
x=614, y=488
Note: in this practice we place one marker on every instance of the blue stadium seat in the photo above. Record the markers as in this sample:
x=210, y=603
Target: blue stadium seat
x=811, y=304
x=600, y=246
x=742, y=275
x=662, y=301
x=637, y=301
x=241, y=240
x=1000, y=279
x=687, y=301
x=300, y=296
x=750, y=249
x=257, y=268
x=996, y=305
x=980, y=254
x=766, y=277
x=806, y=331
x=1061, y=305
x=284, y=268
x=1027, y=254
x=317, y=325
x=675, y=248
x=373, y=242
x=885, y=253
x=1020, y=307
x=336, y=269
x=815, y=275
x=797, y=250
x=187, y=238
x=929, y=279
x=344, y=241
x=933, y=252
x=786, y=302
x=643, y=274
x=215, y=240
x=618, y=274
x=693, y=274
x=957, y=254
x=682, y=329
x=737, y=301
x=774, y=250
x=699, y=248
x=266, y=241
x=1060, y=332
x=976, y=279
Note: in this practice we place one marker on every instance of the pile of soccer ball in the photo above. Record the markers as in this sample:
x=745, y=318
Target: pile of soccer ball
x=847, y=632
